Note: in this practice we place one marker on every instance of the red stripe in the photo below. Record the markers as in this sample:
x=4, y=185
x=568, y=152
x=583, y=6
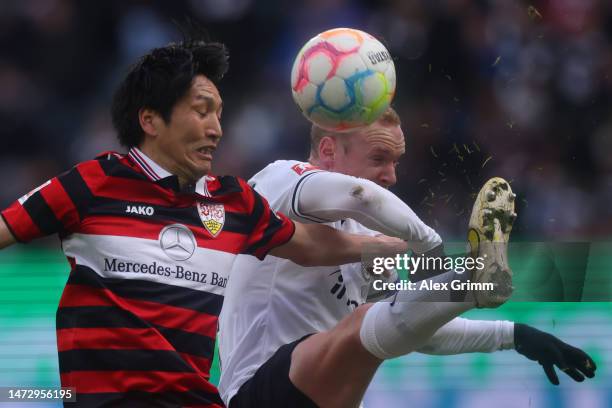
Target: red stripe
x=126, y=189
x=200, y=364
x=88, y=382
x=121, y=226
x=241, y=203
x=61, y=204
x=141, y=167
x=247, y=196
x=124, y=338
x=226, y=241
x=116, y=338
x=21, y=223
x=213, y=184
x=156, y=313
x=262, y=224
x=281, y=237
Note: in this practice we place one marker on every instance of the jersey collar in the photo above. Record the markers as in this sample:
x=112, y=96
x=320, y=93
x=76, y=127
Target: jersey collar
x=160, y=175
x=153, y=170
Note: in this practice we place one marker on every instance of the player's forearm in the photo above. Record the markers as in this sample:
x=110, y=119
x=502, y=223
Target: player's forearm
x=320, y=245
x=331, y=247
x=470, y=336
x=333, y=196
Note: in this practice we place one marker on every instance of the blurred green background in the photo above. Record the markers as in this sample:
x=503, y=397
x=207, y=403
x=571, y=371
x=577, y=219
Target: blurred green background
x=33, y=279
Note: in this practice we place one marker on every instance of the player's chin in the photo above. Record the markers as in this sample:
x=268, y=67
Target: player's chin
x=204, y=168
x=201, y=165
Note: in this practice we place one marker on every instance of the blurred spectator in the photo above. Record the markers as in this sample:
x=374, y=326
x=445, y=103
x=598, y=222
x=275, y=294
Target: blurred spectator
x=516, y=89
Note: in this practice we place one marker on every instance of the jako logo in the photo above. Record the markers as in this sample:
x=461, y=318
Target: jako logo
x=140, y=210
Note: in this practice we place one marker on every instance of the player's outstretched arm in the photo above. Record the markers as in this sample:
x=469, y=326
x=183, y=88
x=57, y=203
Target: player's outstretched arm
x=550, y=351
x=462, y=335
x=327, y=196
x=320, y=245
x=6, y=237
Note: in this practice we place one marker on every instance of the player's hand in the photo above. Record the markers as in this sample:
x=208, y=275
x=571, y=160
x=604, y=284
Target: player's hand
x=387, y=246
x=394, y=243
x=549, y=351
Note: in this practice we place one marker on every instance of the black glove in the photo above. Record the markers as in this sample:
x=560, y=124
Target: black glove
x=549, y=351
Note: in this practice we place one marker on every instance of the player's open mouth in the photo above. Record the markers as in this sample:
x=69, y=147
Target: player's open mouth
x=205, y=153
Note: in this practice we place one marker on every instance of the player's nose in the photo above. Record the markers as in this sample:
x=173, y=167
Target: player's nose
x=388, y=177
x=213, y=129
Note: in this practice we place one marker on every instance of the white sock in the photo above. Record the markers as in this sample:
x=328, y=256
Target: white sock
x=392, y=329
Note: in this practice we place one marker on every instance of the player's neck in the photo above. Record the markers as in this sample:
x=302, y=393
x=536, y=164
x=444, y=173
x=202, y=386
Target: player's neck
x=316, y=162
x=167, y=164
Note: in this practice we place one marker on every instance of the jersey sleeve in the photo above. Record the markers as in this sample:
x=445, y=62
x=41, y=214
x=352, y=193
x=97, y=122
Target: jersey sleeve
x=53, y=207
x=281, y=183
x=271, y=229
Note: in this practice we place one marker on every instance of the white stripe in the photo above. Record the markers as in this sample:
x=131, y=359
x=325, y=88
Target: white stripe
x=31, y=193
x=156, y=172
x=142, y=166
x=105, y=254
x=202, y=186
x=155, y=168
x=143, y=161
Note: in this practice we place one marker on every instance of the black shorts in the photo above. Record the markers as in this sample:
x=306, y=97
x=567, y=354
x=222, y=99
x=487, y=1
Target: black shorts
x=270, y=386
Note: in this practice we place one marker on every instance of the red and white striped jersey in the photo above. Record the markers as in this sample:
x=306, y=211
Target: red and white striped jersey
x=137, y=320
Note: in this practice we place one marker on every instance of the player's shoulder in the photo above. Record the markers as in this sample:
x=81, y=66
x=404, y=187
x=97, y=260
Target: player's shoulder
x=108, y=159
x=219, y=185
x=110, y=164
x=283, y=169
x=109, y=167
x=278, y=180
x=102, y=160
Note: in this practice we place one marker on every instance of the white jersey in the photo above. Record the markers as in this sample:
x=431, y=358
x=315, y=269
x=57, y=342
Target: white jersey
x=273, y=302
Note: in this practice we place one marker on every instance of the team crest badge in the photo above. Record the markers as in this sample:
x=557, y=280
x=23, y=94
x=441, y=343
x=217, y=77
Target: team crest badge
x=212, y=216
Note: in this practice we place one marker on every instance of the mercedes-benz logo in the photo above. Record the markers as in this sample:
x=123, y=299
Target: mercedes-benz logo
x=177, y=241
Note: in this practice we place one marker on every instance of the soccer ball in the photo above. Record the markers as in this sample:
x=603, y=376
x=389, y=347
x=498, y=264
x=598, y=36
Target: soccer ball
x=342, y=79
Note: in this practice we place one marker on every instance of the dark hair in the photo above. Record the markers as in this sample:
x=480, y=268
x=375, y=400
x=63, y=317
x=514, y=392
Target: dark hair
x=162, y=77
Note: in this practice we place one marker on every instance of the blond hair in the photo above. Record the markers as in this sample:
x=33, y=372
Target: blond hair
x=388, y=118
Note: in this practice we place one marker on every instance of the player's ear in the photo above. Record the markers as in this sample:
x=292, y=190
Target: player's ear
x=149, y=121
x=327, y=150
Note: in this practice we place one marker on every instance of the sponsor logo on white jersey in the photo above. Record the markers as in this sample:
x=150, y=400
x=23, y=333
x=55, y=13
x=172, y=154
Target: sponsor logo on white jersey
x=302, y=168
x=179, y=262
x=177, y=241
